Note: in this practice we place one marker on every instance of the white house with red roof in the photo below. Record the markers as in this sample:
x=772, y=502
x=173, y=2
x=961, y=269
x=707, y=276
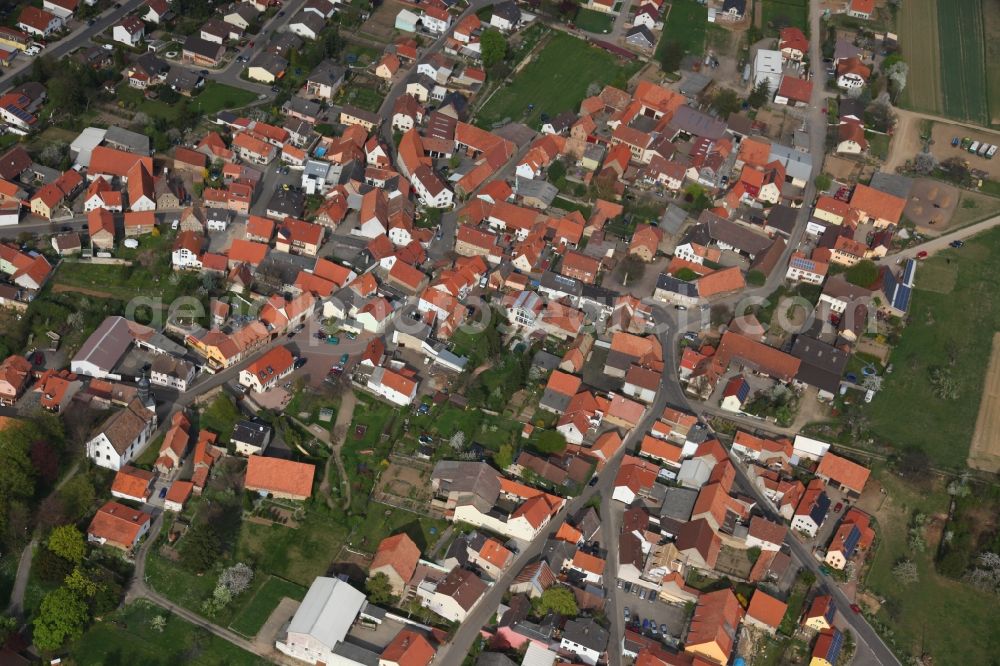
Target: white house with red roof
x=268, y=370
x=393, y=386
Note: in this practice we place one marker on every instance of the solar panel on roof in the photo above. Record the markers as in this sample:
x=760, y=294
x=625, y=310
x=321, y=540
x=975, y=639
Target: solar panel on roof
x=851, y=542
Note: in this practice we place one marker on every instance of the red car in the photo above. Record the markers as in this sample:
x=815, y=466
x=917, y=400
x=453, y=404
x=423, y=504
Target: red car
x=838, y=507
x=922, y=254
x=856, y=608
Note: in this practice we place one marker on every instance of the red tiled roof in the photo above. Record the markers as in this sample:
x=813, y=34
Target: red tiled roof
x=132, y=481
x=118, y=524
x=398, y=552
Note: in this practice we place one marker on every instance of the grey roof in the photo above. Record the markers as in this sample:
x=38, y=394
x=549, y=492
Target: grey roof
x=357, y=654
x=152, y=64
x=564, y=120
x=545, y=360
x=797, y=164
x=536, y=188
x=128, y=140
x=203, y=47
x=845, y=49
x=892, y=183
x=673, y=219
x=587, y=522
x=328, y=73
x=742, y=238
x=679, y=503
x=328, y=611
x=640, y=34
x=739, y=5
x=316, y=169
x=254, y=433
x=180, y=78
x=302, y=106
x=476, y=478
x=782, y=218
x=285, y=41
x=694, y=473
x=554, y=400
x=694, y=84
x=311, y=20
x=555, y=552
x=822, y=365
x=508, y=10
x=673, y=285
x=270, y=62
x=105, y=346
x=287, y=202
x=560, y=283
x=692, y=121
x=587, y=633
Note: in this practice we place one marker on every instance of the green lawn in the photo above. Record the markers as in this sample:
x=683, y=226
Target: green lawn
x=948, y=620
x=555, y=81
x=878, y=145
x=567, y=205
x=594, y=21
x=298, y=555
x=686, y=23
x=785, y=13
x=127, y=282
x=177, y=583
x=126, y=637
x=963, y=61
x=364, y=98
x=218, y=96
x=954, y=330
x=255, y=613
x=384, y=521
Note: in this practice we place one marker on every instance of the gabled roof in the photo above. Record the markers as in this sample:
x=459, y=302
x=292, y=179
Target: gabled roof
x=281, y=476
x=766, y=609
x=843, y=471
x=117, y=523
x=132, y=481
x=398, y=552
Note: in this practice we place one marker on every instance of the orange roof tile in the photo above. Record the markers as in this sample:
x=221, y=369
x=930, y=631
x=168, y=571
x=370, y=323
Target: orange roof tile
x=133, y=482
x=118, y=524
x=843, y=471
x=398, y=552
x=766, y=609
x=408, y=648
x=275, y=475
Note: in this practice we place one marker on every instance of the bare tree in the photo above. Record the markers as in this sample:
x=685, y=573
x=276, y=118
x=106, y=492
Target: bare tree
x=906, y=572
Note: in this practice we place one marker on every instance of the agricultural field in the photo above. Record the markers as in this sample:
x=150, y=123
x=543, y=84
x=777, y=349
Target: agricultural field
x=950, y=80
x=555, y=81
x=941, y=359
x=984, y=453
x=991, y=30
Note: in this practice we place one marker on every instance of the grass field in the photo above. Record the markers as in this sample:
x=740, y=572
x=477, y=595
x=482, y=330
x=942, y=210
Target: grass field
x=686, y=23
x=126, y=637
x=949, y=329
x=785, y=12
x=945, y=618
x=984, y=453
x=555, y=81
x=963, y=59
x=259, y=608
x=593, y=21
x=298, y=555
x=218, y=96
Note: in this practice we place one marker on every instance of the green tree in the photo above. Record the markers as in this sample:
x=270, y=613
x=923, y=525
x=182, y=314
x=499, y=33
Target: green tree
x=557, y=599
x=80, y=584
x=756, y=278
x=504, y=457
x=200, y=548
x=631, y=269
x=67, y=542
x=550, y=441
x=863, y=274
x=61, y=617
x=761, y=94
x=726, y=102
x=78, y=496
x=556, y=172
x=494, y=47
x=686, y=274
x=380, y=589
x=823, y=182
x=670, y=56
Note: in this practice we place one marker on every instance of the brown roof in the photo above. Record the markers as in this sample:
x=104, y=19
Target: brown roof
x=765, y=530
x=463, y=586
x=399, y=552
x=279, y=476
x=698, y=534
x=878, y=204
x=721, y=282
x=123, y=427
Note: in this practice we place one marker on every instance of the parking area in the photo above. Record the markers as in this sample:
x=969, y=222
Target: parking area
x=663, y=615
x=321, y=355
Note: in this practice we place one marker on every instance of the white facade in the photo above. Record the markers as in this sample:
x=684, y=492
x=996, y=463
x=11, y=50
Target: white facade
x=253, y=382
x=321, y=622
x=390, y=391
x=767, y=67
x=123, y=36
x=101, y=451
x=184, y=259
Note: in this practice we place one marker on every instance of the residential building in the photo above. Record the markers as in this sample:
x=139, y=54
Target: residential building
x=250, y=438
x=118, y=526
x=265, y=373
x=285, y=479
x=320, y=625
x=396, y=557
x=122, y=436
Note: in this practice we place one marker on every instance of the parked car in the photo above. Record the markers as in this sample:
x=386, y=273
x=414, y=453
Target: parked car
x=838, y=507
x=333, y=340
x=680, y=307
x=300, y=361
x=627, y=613
x=663, y=629
x=423, y=408
x=163, y=492
x=344, y=358
x=592, y=482
x=856, y=608
x=957, y=243
x=922, y=254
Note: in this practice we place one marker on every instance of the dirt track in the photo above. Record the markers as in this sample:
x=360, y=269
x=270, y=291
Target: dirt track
x=984, y=453
x=58, y=288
